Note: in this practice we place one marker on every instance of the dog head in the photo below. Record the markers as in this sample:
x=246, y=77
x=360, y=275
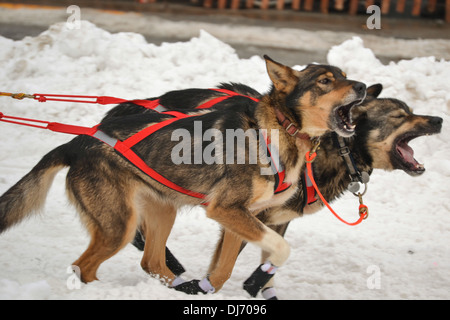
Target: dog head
x=318, y=98
x=389, y=125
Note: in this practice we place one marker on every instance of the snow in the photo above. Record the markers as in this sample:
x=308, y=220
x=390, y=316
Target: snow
x=399, y=252
x=249, y=32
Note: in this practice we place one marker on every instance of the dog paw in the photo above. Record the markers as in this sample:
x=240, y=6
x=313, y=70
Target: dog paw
x=259, y=278
x=190, y=287
x=195, y=287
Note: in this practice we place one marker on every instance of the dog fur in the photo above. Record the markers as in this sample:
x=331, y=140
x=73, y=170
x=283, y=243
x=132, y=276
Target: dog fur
x=381, y=126
x=113, y=197
x=384, y=126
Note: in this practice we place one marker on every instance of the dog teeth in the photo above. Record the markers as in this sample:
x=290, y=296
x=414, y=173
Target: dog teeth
x=420, y=166
x=349, y=127
x=346, y=121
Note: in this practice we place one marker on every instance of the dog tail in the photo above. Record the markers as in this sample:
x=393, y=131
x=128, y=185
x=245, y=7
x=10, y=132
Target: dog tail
x=28, y=195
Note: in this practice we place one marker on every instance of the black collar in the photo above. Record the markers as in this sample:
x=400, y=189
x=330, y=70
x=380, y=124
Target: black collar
x=356, y=176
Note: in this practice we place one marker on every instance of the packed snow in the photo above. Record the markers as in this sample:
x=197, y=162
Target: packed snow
x=399, y=252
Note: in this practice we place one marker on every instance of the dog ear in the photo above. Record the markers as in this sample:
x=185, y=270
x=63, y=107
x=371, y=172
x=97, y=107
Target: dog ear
x=283, y=78
x=374, y=90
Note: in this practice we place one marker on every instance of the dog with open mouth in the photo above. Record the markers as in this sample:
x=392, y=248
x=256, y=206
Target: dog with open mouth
x=383, y=129
x=115, y=195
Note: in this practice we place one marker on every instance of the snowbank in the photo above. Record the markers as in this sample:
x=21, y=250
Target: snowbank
x=400, y=252
x=234, y=31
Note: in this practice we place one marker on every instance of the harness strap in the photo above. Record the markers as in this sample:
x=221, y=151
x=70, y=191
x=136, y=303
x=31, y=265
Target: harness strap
x=345, y=153
x=41, y=97
x=129, y=154
x=53, y=126
x=277, y=168
x=141, y=135
x=356, y=176
x=311, y=194
x=228, y=95
x=124, y=147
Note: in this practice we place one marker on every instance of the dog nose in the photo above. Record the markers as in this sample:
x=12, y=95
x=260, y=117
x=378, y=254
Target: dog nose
x=436, y=121
x=359, y=87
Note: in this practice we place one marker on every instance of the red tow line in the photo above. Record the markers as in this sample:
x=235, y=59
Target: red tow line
x=363, y=209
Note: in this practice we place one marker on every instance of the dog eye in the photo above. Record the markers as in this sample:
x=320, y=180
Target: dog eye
x=325, y=81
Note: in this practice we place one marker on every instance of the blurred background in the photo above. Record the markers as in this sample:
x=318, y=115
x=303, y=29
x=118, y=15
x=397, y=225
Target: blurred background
x=323, y=22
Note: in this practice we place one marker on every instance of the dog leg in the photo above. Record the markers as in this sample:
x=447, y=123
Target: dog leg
x=159, y=219
x=268, y=290
x=279, y=252
x=105, y=242
x=101, y=248
x=171, y=261
x=111, y=225
x=224, y=265
x=221, y=267
x=243, y=224
x=217, y=252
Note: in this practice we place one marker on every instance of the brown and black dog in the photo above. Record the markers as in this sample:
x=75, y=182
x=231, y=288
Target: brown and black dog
x=114, y=196
x=383, y=129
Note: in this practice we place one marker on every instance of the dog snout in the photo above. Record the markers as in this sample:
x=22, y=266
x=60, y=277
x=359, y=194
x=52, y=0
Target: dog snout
x=360, y=88
x=436, y=121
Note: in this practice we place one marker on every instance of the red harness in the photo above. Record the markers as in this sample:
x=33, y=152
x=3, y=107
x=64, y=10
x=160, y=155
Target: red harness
x=125, y=147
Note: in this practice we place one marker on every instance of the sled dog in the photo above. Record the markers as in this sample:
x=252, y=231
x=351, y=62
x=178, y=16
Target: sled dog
x=114, y=195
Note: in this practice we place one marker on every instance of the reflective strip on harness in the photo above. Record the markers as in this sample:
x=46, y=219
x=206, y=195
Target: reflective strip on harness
x=160, y=108
x=311, y=195
x=100, y=135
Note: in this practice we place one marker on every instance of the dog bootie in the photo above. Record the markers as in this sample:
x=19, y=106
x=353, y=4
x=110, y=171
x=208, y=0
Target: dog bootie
x=269, y=294
x=259, y=278
x=196, y=286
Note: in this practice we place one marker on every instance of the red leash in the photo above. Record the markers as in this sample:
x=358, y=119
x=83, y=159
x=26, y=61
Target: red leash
x=43, y=97
x=53, y=126
x=149, y=104
x=363, y=209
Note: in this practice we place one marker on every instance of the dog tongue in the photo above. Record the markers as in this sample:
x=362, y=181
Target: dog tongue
x=406, y=152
